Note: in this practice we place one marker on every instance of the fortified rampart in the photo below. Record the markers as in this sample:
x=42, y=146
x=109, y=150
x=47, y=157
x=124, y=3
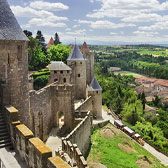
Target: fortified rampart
x=33, y=151
x=45, y=106
x=81, y=134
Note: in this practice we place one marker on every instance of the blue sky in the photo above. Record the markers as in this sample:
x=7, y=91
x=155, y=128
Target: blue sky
x=95, y=21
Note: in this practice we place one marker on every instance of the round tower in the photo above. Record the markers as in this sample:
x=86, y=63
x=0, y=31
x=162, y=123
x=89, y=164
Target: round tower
x=95, y=91
x=14, y=63
x=89, y=56
x=78, y=65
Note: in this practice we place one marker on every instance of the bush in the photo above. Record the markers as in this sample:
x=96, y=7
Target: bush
x=41, y=81
x=38, y=74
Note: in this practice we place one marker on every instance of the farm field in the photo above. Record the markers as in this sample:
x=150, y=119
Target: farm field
x=129, y=73
x=154, y=53
x=113, y=149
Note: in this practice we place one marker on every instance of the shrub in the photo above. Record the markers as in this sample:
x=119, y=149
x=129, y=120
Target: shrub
x=41, y=81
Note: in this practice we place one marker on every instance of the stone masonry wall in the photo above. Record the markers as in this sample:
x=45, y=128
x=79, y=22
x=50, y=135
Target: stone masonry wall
x=14, y=76
x=45, y=106
x=81, y=134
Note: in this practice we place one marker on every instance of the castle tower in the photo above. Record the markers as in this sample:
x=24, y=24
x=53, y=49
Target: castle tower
x=95, y=91
x=13, y=63
x=59, y=73
x=89, y=56
x=78, y=66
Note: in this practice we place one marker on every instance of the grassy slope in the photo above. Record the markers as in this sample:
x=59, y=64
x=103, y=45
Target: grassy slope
x=107, y=152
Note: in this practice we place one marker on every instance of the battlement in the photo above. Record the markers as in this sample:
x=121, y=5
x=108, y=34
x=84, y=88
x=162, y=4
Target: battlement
x=54, y=162
x=24, y=130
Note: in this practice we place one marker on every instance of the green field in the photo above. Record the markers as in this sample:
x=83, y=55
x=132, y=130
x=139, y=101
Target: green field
x=112, y=148
x=154, y=53
x=129, y=73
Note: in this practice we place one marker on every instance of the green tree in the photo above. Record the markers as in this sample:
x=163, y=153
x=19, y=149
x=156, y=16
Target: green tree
x=57, y=40
x=33, y=43
x=28, y=33
x=40, y=37
x=59, y=52
x=39, y=59
x=143, y=99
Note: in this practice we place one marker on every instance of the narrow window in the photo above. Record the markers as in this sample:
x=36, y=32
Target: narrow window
x=55, y=80
x=78, y=75
x=64, y=80
x=80, y=62
x=61, y=72
x=19, y=53
x=8, y=59
x=67, y=71
x=55, y=72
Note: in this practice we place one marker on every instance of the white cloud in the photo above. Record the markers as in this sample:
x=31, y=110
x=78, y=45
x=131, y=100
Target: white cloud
x=143, y=17
x=125, y=8
x=105, y=24
x=143, y=33
x=48, y=6
x=29, y=12
x=68, y=29
x=75, y=26
x=77, y=32
x=44, y=23
x=113, y=33
x=155, y=27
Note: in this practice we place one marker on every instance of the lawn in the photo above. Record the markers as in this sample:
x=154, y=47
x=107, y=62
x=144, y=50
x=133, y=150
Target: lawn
x=112, y=148
x=129, y=73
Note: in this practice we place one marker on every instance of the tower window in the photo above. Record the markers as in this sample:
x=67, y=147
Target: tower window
x=64, y=80
x=55, y=80
x=19, y=53
x=78, y=75
x=61, y=72
x=8, y=59
x=55, y=72
x=67, y=71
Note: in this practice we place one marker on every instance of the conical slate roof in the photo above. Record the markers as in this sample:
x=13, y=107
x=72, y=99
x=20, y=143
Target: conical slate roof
x=75, y=54
x=95, y=85
x=9, y=27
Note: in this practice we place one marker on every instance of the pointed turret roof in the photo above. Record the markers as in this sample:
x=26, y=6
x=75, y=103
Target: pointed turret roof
x=76, y=54
x=94, y=86
x=51, y=42
x=9, y=27
x=85, y=47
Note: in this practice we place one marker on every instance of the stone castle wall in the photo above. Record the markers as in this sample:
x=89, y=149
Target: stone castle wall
x=45, y=106
x=32, y=150
x=81, y=134
x=14, y=76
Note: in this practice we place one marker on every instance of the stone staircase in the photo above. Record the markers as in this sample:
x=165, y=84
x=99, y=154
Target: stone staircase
x=4, y=135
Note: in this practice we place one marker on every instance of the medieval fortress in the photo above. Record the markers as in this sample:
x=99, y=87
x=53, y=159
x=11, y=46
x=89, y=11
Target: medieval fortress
x=30, y=115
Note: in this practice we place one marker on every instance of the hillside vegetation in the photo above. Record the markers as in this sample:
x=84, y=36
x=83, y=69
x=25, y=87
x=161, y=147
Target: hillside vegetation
x=113, y=149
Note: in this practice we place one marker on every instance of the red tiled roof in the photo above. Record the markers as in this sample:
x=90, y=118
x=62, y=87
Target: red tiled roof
x=51, y=42
x=157, y=82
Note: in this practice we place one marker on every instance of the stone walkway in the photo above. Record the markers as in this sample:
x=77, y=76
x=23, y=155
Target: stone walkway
x=11, y=159
x=53, y=142
x=163, y=158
